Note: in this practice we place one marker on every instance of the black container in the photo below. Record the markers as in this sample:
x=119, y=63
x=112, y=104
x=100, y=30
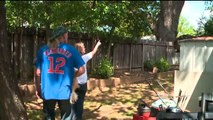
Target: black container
x=142, y=108
x=173, y=110
x=209, y=106
x=206, y=104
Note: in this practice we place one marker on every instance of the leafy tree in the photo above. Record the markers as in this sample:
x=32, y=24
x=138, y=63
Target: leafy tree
x=209, y=5
x=12, y=107
x=208, y=27
x=125, y=18
x=204, y=24
x=36, y=14
x=184, y=27
x=111, y=21
x=201, y=23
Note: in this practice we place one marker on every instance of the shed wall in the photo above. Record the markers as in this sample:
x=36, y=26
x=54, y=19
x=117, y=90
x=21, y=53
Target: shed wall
x=195, y=73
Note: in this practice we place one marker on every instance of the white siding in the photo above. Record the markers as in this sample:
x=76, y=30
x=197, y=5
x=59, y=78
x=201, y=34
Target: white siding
x=209, y=56
x=199, y=56
x=196, y=56
x=186, y=56
x=195, y=73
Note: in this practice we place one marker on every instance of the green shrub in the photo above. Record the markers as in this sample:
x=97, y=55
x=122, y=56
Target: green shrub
x=148, y=65
x=104, y=69
x=162, y=65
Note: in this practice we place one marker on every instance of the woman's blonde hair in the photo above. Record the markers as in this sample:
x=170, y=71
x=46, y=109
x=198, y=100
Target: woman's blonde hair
x=79, y=46
x=53, y=43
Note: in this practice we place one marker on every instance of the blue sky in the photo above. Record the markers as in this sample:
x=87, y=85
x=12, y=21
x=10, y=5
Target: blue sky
x=193, y=10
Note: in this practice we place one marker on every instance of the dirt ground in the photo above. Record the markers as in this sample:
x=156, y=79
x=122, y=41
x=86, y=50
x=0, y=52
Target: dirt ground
x=113, y=103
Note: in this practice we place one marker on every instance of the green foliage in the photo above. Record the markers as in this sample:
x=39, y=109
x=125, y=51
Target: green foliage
x=204, y=23
x=116, y=20
x=148, y=65
x=205, y=26
x=209, y=5
x=184, y=27
x=36, y=14
x=200, y=30
x=104, y=69
x=162, y=65
x=208, y=27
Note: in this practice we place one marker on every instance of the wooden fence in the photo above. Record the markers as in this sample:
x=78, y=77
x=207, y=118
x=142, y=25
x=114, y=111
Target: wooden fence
x=26, y=42
x=132, y=56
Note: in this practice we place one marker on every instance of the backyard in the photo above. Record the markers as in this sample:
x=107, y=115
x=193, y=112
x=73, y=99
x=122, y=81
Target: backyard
x=114, y=103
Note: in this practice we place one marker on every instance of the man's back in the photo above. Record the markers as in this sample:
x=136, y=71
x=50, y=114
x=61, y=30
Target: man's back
x=57, y=70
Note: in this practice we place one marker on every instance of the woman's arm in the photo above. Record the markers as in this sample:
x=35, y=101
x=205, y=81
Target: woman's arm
x=96, y=48
x=37, y=81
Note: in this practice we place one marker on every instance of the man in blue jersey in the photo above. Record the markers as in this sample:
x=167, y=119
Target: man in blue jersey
x=55, y=63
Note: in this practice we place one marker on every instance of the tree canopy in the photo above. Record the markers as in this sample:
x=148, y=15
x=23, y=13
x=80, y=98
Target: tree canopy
x=208, y=26
x=114, y=19
x=205, y=24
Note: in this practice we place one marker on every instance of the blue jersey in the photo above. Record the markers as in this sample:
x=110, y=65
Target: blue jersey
x=57, y=70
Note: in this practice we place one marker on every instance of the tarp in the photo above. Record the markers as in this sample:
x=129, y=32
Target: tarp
x=164, y=102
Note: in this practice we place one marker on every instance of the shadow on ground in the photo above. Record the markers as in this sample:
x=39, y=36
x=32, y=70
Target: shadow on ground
x=111, y=103
x=120, y=103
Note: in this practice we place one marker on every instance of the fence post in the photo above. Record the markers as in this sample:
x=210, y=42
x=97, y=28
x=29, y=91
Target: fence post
x=155, y=51
x=142, y=56
x=130, y=59
x=21, y=54
x=167, y=50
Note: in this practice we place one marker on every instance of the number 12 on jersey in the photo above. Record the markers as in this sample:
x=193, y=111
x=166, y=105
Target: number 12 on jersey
x=58, y=63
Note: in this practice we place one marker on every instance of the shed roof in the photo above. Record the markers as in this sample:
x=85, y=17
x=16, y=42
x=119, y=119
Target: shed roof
x=206, y=38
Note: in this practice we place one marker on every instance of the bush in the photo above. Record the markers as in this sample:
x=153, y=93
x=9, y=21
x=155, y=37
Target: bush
x=104, y=69
x=148, y=65
x=162, y=65
x=208, y=27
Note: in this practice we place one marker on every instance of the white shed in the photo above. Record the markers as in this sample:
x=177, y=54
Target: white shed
x=195, y=74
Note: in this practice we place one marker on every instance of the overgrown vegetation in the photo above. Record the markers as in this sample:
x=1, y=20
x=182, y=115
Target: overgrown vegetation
x=104, y=69
x=148, y=65
x=162, y=65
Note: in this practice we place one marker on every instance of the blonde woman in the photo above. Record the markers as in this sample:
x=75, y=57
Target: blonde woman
x=82, y=80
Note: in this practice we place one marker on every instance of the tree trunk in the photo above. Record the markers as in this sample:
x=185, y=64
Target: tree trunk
x=11, y=106
x=166, y=28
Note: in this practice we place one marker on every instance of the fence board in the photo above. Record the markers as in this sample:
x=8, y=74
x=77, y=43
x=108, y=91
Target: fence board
x=137, y=56
x=121, y=56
